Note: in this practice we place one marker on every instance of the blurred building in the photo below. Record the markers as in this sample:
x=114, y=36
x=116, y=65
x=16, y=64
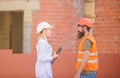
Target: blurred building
x=18, y=21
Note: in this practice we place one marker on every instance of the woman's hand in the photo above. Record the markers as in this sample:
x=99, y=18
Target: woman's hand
x=55, y=55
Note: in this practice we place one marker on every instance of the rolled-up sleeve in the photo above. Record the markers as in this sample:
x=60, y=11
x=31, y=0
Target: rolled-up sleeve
x=87, y=44
x=41, y=54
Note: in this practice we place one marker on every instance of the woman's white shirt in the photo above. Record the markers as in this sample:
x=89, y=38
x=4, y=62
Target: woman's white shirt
x=44, y=57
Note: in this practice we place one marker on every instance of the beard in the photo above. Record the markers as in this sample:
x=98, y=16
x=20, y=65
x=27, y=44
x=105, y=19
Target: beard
x=80, y=34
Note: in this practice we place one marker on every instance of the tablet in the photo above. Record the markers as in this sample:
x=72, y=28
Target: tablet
x=59, y=50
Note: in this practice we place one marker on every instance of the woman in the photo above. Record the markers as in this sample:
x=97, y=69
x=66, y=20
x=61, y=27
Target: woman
x=44, y=52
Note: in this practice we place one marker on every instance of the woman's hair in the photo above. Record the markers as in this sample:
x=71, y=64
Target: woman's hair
x=42, y=31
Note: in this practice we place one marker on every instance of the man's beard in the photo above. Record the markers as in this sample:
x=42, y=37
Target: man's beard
x=80, y=34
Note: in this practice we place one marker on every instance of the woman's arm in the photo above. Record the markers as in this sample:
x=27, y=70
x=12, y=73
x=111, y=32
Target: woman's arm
x=42, y=56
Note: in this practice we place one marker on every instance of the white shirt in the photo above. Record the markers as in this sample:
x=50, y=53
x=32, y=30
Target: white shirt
x=44, y=56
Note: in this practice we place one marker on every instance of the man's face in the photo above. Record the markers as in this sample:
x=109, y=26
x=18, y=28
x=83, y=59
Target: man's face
x=80, y=32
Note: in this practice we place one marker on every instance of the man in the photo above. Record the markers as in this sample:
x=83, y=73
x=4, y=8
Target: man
x=87, y=60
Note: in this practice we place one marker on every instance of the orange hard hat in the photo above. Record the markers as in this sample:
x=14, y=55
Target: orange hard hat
x=85, y=21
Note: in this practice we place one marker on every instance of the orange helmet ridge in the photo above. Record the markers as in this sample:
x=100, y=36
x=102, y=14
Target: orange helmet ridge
x=86, y=21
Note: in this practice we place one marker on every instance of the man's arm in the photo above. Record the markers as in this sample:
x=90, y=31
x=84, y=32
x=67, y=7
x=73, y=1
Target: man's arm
x=87, y=46
x=84, y=61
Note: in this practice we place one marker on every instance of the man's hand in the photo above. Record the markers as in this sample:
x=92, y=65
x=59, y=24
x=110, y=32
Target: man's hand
x=77, y=75
x=83, y=63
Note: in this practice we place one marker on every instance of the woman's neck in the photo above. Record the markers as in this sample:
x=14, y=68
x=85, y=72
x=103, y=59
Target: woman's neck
x=44, y=37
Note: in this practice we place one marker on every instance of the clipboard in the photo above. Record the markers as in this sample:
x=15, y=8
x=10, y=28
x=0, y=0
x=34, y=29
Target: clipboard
x=58, y=52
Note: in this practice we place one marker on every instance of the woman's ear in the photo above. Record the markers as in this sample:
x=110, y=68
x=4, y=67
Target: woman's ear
x=44, y=31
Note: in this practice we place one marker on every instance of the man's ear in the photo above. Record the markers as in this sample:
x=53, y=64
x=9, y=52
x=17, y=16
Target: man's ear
x=84, y=28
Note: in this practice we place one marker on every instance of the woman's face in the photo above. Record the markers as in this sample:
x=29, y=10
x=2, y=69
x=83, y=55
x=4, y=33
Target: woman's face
x=49, y=32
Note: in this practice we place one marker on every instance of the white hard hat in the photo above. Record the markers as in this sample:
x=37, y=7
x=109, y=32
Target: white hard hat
x=42, y=25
